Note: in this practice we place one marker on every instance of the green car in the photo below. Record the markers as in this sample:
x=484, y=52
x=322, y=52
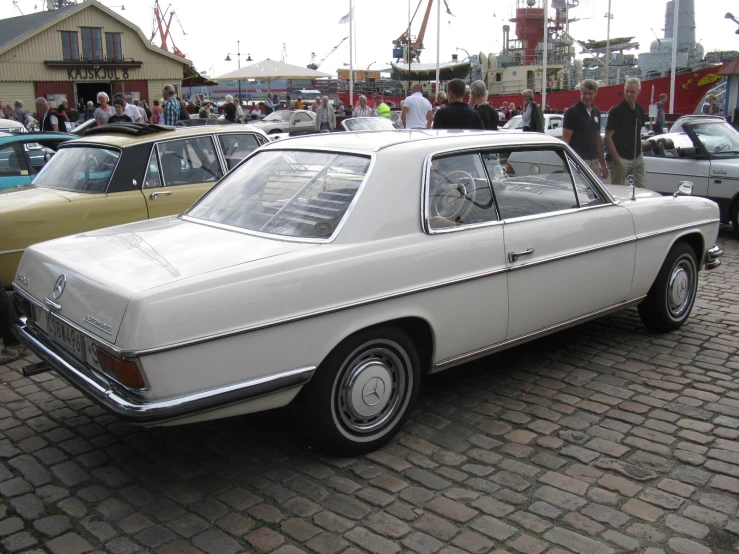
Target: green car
x=23, y=155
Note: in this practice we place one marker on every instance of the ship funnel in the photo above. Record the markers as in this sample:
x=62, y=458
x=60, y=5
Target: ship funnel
x=506, y=37
x=685, y=23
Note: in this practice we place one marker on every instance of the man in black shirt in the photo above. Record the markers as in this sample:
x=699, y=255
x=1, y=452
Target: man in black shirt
x=479, y=101
x=581, y=129
x=623, y=137
x=457, y=115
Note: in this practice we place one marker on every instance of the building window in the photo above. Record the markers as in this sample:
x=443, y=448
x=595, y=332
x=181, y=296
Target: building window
x=113, y=46
x=92, y=43
x=70, y=47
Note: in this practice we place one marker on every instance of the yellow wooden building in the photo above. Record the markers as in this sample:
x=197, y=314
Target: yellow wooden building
x=76, y=51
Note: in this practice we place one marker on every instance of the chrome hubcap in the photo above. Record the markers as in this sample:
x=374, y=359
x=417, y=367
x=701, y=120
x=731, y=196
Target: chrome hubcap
x=680, y=288
x=372, y=389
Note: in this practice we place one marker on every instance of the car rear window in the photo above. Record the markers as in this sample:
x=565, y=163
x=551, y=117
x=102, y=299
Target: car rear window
x=288, y=193
x=79, y=169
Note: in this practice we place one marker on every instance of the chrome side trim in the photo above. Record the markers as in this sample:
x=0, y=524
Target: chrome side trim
x=673, y=229
x=12, y=251
x=482, y=352
x=126, y=407
x=573, y=254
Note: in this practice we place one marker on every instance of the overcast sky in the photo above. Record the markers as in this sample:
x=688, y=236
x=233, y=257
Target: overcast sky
x=212, y=29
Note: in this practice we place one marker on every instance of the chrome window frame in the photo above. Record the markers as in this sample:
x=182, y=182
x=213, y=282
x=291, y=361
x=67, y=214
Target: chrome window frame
x=372, y=158
x=425, y=190
x=570, y=157
x=86, y=145
x=216, y=150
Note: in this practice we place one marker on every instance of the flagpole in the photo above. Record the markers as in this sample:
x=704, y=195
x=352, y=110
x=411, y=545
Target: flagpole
x=676, y=6
x=351, y=58
x=546, y=48
x=438, y=43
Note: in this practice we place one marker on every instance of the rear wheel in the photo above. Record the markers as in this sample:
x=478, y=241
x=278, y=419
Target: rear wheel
x=363, y=391
x=671, y=298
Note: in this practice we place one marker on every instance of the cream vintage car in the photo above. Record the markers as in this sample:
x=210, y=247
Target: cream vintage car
x=334, y=271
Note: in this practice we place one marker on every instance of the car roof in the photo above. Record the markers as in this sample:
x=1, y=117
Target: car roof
x=373, y=141
x=9, y=124
x=695, y=118
x=123, y=140
x=6, y=138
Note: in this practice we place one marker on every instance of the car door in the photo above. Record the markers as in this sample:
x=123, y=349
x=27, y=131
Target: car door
x=14, y=171
x=662, y=173
x=569, y=249
x=179, y=172
x=302, y=122
x=554, y=125
x=467, y=240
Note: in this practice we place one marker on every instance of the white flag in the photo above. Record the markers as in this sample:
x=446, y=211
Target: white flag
x=345, y=19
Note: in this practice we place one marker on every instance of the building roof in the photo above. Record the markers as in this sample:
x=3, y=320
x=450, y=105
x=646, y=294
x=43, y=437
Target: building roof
x=13, y=28
x=732, y=68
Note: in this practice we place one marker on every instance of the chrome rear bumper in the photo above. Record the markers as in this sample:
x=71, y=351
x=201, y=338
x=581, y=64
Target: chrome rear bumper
x=126, y=406
x=712, y=257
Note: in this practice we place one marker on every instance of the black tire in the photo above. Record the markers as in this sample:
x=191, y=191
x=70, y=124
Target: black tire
x=735, y=220
x=671, y=298
x=382, y=357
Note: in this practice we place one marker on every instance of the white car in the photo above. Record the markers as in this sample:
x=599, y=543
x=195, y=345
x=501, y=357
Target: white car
x=703, y=149
x=553, y=123
x=11, y=126
x=335, y=270
x=286, y=121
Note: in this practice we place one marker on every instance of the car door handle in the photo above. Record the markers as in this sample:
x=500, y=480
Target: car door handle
x=155, y=195
x=513, y=256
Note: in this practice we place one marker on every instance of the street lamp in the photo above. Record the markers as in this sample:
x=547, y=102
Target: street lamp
x=370, y=65
x=468, y=57
x=238, y=58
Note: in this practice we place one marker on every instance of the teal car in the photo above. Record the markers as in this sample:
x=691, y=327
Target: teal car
x=23, y=155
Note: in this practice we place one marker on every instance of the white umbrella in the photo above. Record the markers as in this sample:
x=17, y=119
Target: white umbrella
x=269, y=70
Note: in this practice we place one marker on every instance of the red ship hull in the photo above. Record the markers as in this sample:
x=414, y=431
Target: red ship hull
x=690, y=87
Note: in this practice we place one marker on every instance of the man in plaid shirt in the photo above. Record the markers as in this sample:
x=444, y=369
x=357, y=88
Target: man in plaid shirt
x=171, y=113
x=363, y=110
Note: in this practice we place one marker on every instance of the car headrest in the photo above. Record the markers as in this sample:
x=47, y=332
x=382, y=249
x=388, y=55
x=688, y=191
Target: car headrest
x=646, y=146
x=669, y=144
x=660, y=150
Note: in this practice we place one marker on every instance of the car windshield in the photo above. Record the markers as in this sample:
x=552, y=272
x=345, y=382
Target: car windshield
x=516, y=122
x=281, y=115
x=289, y=193
x=80, y=169
x=367, y=124
x=719, y=138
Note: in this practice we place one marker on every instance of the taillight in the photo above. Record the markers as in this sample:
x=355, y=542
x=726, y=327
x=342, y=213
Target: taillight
x=126, y=372
x=22, y=306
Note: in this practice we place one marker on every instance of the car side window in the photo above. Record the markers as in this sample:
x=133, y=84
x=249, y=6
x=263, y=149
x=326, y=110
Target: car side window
x=153, y=177
x=11, y=162
x=531, y=182
x=587, y=194
x=237, y=147
x=301, y=118
x=189, y=161
x=458, y=192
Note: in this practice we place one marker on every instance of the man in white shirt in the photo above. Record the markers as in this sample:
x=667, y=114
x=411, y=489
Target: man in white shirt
x=417, y=112
x=129, y=109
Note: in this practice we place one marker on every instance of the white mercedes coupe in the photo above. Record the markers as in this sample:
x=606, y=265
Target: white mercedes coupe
x=334, y=271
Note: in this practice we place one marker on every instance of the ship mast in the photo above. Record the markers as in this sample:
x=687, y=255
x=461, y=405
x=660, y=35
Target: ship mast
x=608, y=44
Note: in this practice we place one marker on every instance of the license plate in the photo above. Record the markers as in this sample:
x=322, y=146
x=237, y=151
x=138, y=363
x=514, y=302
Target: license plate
x=63, y=333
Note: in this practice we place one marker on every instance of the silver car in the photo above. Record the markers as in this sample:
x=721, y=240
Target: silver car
x=286, y=121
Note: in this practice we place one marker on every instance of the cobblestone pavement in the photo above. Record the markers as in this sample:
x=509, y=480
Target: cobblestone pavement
x=600, y=439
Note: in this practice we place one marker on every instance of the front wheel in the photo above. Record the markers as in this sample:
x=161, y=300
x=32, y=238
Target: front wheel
x=671, y=298
x=363, y=391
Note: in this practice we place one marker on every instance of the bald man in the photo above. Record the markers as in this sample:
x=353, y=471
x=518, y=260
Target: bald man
x=417, y=111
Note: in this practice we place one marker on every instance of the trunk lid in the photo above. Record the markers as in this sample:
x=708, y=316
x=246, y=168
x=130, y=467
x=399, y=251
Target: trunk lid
x=104, y=269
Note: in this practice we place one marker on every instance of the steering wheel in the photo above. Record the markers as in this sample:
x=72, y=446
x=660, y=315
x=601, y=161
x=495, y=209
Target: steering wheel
x=92, y=165
x=721, y=147
x=454, y=198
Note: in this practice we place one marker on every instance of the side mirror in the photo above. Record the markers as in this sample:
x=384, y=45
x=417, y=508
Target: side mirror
x=684, y=188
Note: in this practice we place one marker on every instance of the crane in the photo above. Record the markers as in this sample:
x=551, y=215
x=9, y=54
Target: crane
x=283, y=54
x=313, y=65
x=159, y=26
x=415, y=47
